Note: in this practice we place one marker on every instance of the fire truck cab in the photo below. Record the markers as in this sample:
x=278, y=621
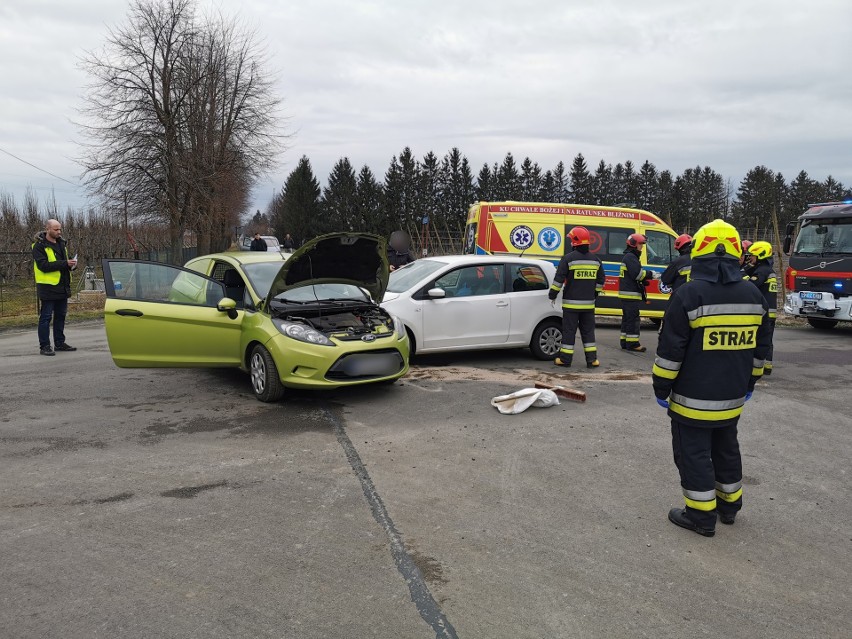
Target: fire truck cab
x=819, y=275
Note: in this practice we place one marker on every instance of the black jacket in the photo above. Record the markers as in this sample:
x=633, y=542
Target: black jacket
x=764, y=278
x=583, y=277
x=632, y=278
x=399, y=258
x=677, y=273
x=712, y=345
x=41, y=246
x=258, y=244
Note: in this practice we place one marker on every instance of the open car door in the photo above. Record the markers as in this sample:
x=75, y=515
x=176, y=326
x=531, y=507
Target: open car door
x=158, y=315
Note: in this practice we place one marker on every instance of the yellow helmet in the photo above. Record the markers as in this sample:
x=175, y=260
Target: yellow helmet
x=761, y=250
x=716, y=238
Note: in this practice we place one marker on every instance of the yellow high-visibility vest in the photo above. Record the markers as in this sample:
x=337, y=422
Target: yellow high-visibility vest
x=51, y=277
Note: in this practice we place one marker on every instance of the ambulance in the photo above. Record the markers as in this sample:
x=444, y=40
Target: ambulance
x=539, y=230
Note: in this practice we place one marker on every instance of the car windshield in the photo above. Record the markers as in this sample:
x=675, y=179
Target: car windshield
x=404, y=278
x=825, y=237
x=323, y=292
x=262, y=274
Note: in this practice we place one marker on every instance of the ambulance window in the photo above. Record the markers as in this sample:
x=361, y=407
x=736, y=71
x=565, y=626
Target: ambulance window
x=660, y=248
x=608, y=243
x=527, y=277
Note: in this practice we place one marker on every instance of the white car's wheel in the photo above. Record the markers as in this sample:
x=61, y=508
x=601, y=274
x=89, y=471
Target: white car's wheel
x=265, y=382
x=546, y=340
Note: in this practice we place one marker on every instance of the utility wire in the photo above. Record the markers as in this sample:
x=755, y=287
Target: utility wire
x=39, y=168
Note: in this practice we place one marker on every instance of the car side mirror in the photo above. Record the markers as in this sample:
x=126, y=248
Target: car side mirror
x=229, y=306
x=436, y=293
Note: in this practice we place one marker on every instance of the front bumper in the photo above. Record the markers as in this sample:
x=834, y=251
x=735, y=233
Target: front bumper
x=829, y=306
x=311, y=366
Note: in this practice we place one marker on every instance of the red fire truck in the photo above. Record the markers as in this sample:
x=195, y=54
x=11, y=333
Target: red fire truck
x=819, y=275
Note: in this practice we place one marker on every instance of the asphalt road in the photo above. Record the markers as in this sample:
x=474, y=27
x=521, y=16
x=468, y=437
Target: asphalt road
x=170, y=503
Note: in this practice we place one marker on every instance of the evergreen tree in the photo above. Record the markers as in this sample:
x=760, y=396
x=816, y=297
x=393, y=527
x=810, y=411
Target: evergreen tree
x=431, y=208
x=803, y=191
x=485, y=185
x=548, y=187
x=756, y=197
x=296, y=210
x=833, y=191
x=560, y=193
x=368, y=195
x=339, y=200
x=531, y=181
x=602, y=186
x=582, y=191
x=457, y=192
x=631, y=184
x=666, y=198
x=402, y=190
x=618, y=191
x=647, y=187
x=508, y=180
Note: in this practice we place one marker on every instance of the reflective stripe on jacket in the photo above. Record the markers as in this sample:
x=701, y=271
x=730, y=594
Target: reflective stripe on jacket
x=581, y=277
x=764, y=278
x=711, y=351
x=631, y=278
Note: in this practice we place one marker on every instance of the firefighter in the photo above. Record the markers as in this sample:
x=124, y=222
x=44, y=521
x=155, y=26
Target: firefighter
x=583, y=277
x=762, y=275
x=632, y=281
x=711, y=349
x=677, y=273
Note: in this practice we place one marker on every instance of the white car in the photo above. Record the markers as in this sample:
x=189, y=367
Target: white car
x=467, y=302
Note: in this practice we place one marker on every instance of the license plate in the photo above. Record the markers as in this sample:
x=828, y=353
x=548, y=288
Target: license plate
x=808, y=295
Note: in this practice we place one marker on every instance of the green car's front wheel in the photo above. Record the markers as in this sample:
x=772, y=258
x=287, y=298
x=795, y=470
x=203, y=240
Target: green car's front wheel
x=265, y=382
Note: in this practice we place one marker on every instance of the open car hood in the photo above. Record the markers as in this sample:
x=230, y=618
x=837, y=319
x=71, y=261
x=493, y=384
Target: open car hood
x=360, y=259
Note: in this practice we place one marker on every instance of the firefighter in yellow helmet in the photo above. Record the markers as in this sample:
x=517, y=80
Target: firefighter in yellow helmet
x=712, y=344
x=761, y=273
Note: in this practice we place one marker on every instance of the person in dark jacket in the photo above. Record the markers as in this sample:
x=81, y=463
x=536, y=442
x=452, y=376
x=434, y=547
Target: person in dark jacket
x=288, y=244
x=580, y=276
x=52, y=269
x=632, y=281
x=398, y=251
x=711, y=351
x=677, y=273
x=762, y=274
x=258, y=243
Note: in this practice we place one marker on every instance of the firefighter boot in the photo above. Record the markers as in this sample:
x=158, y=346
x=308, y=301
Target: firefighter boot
x=593, y=363
x=727, y=518
x=636, y=348
x=564, y=360
x=679, y=517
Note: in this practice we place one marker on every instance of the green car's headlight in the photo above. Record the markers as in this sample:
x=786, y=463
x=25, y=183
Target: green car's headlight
x=303, y=333
x=398, y=327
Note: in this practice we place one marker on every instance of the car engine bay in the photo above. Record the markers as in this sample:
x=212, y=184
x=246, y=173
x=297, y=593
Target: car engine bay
x=337, y=318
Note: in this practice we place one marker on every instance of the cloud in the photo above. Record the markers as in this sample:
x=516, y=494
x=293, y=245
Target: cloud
x=727, y=84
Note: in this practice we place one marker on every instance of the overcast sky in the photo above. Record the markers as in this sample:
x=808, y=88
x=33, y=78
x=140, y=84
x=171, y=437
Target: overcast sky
x=729, y=84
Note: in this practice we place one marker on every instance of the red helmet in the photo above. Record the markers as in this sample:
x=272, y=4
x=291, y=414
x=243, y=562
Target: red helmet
x=579, y=236
x=683, y=241
x=636, y=240
x=746, y=244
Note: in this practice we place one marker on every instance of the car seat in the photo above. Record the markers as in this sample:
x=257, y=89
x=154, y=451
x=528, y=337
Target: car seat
x=235, y=287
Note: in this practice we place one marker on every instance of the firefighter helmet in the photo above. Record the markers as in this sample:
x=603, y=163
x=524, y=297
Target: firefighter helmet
x=579, y=236
x=682, y=242
x=746, y=244
x=716, y=238
x=636, y=240
x=761, y=250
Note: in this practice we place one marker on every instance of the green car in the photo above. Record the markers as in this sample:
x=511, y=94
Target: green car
x=303, y=320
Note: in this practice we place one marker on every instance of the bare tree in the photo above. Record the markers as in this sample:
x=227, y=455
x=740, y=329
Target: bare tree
x=181, y=120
